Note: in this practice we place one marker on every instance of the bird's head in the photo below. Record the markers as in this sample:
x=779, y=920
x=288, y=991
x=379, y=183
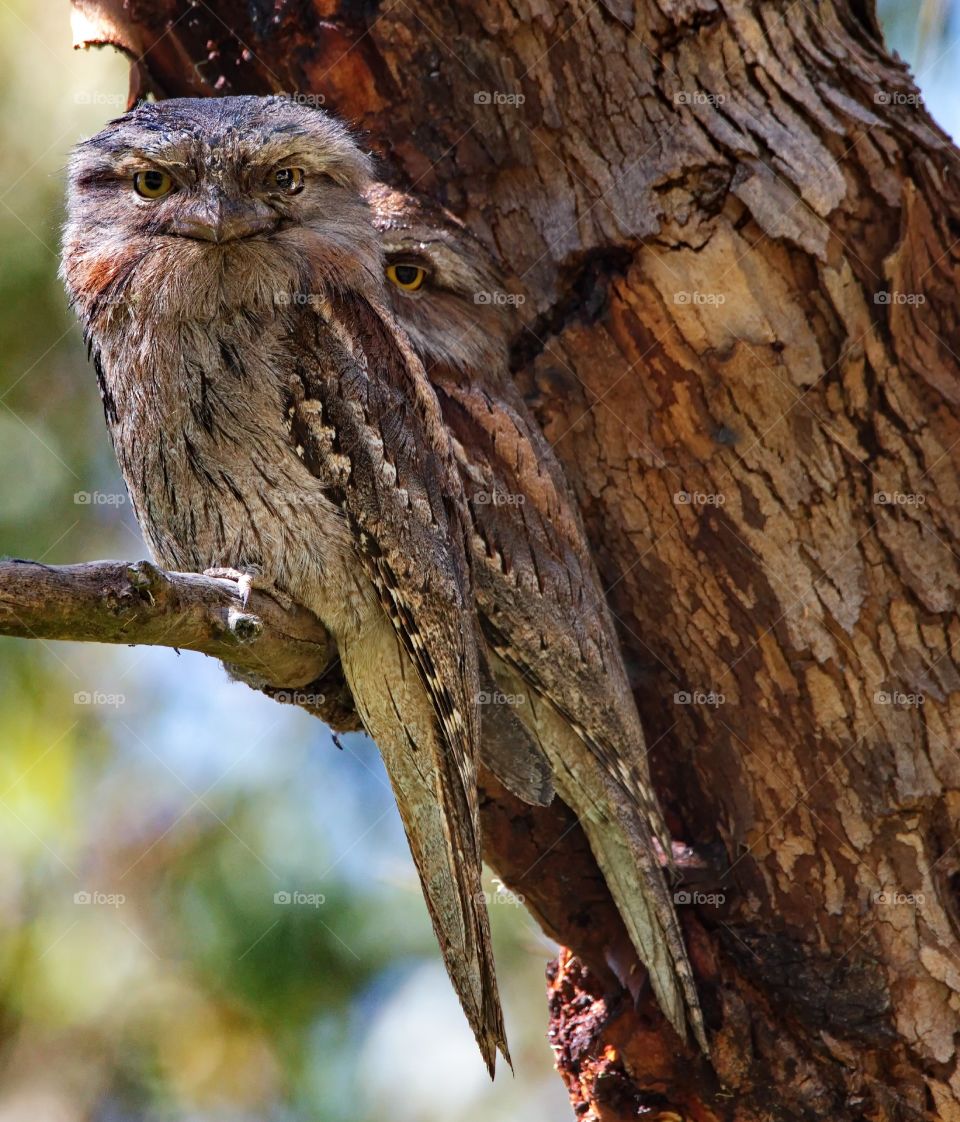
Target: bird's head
x=195, y=207
x=444, y=286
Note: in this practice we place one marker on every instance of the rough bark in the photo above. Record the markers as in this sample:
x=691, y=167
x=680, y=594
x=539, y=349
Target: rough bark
x=737, y=229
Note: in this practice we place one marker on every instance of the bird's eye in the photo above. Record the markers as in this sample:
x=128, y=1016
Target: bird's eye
x=152, y=184
x=406, y=277
x=289, y=180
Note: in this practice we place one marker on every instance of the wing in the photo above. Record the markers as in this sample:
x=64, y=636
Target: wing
x=367, y=424
x=541, y=605
x=507, y=747
x=546, y=620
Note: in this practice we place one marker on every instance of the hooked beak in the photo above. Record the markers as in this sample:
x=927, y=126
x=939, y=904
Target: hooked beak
x=223, y=221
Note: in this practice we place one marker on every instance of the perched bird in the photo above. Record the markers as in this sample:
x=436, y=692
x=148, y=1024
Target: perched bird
x=272, y=422
x=543, y=614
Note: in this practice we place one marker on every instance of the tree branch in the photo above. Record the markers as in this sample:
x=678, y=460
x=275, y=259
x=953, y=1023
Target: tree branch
x=137, y=603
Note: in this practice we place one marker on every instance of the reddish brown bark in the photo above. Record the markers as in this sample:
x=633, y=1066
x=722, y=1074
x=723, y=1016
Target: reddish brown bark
x=670, y=153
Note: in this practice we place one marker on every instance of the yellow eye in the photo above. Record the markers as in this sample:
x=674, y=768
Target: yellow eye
x=405, y=276
x=289, y=180
x=152, y=184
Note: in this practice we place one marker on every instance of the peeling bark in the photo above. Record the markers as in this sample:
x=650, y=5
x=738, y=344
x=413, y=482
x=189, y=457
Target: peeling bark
x=737, y=228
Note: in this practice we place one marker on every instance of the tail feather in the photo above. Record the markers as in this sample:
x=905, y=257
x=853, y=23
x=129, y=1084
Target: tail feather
x=442, y=831
x=635, y=879
x=619, y=827
x=510, y=751
x=452, y=888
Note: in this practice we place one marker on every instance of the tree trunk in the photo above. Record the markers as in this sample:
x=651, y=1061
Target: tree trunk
x=737, y=229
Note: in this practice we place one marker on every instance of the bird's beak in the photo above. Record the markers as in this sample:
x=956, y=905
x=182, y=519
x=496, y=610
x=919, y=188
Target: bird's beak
x=222, y=220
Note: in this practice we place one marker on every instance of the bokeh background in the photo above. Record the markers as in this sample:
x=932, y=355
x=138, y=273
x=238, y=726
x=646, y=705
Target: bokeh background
x=207, y=909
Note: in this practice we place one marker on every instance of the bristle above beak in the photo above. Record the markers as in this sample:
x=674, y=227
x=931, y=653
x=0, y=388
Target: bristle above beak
x=221, y=222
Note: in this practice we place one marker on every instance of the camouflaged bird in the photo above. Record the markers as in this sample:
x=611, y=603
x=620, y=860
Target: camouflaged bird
x=271, y=422
x=553, y=646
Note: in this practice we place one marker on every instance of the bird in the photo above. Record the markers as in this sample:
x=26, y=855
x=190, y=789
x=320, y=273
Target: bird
x=544, y=618
x=274, y=425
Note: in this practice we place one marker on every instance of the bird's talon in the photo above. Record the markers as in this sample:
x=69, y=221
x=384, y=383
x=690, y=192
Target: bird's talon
x=244, y=581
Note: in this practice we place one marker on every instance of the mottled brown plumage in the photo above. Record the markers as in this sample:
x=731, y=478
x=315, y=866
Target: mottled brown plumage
x=542, y=609
x=269, y=418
